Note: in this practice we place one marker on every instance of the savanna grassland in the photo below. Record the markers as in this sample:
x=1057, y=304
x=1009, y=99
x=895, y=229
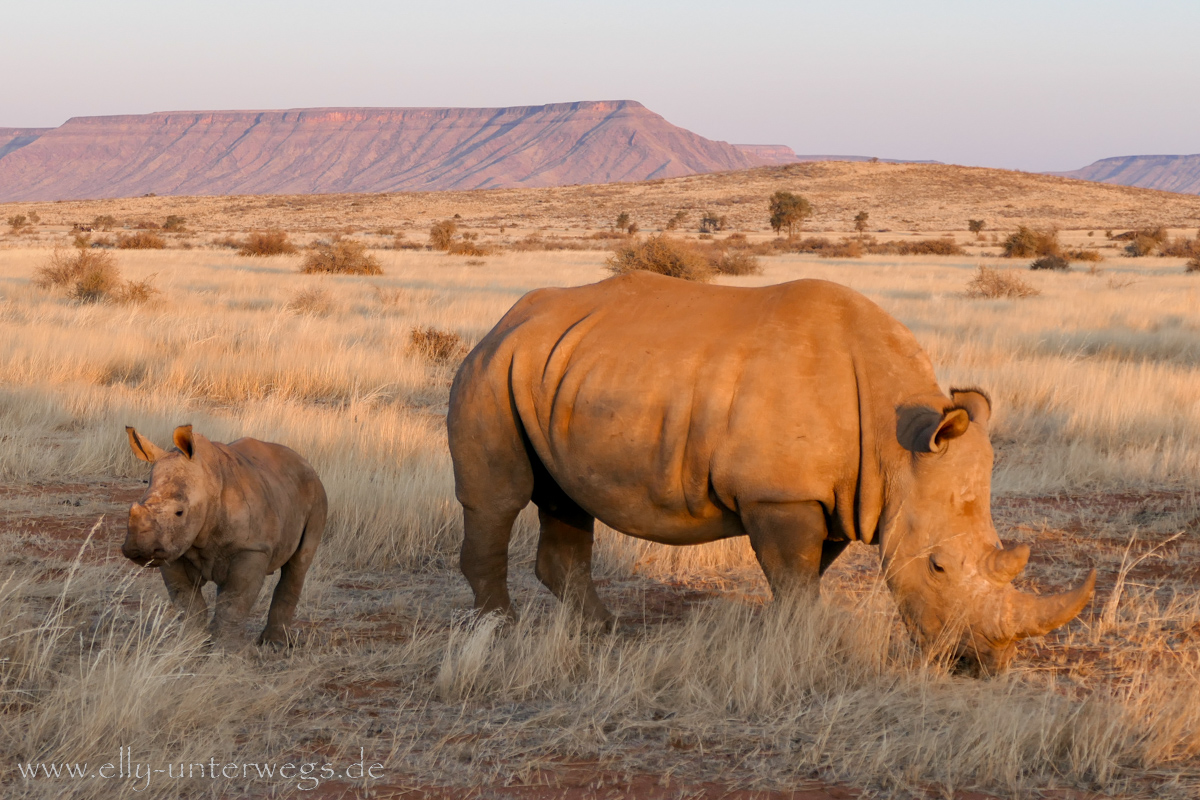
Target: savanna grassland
x=704, y=688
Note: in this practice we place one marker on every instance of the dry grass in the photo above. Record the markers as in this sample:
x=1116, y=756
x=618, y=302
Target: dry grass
x=313, y=300
x=997, y=284
x=702, y=682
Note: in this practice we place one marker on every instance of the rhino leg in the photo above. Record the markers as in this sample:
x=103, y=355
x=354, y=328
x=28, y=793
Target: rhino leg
x=185, y=587
x=564, y=560
x=291, y=582
x=484, y=557
x=236, y=596
x=789, y=540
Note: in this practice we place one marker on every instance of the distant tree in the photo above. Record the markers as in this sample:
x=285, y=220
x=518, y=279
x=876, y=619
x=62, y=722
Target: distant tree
x=677, y=220
x=104, y=222
x=788, y=211
x=860, y=221
x=174, y=222
x=710, y=222
x=975, y=225
x=34, y=219
x=17, y=222
x=632, y=229
x=623, y=220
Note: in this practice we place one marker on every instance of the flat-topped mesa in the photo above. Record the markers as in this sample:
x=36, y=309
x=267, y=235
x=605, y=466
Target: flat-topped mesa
x=326, y=150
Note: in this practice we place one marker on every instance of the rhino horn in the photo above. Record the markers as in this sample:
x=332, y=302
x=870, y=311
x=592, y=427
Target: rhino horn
x=1005, y=565
x=1032, y=615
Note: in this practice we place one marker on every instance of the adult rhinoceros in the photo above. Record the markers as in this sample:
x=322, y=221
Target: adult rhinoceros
x=800, y=415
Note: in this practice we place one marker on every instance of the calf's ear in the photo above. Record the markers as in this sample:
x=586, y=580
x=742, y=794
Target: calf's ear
x=926, y=430
x=142, y=447
x=184, y=441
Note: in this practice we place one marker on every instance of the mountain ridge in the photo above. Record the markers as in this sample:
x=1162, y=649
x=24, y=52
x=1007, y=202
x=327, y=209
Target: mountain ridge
x=334, y=150
x=1168, y=173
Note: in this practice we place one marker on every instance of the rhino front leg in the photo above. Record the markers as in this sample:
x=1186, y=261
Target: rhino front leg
x=236, y=596
x=185, y=587
x=789, y=540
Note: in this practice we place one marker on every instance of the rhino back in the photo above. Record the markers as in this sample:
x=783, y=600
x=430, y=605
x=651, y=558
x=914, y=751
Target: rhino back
x=660, y=405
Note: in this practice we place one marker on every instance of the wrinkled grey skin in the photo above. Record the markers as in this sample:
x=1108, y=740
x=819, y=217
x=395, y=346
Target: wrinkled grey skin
x=799, y=415
x=231, y=514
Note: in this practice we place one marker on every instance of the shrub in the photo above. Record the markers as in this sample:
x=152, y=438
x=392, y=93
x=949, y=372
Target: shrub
x=711, y=223
x=1026, y=243
x=1144, y=242
x=1193, y=264
x=266, y=243
x=788, y=211
x=466, y=247
x=623, y=220
x=315, y=301
x=142, y=240
x=945, y=246
x=104, y=222
x=860, y=221
x=663, y=255
x=677, y=220
x=1083, y=255
x=736, y=262
x=435, y=345
x=17, y=221
x=174, y=223
x=975, y=225
x=994, y=283
x=1051, y=262
x=90, y=276
x=342, y=257
x=441, y=234
x=1181, y=247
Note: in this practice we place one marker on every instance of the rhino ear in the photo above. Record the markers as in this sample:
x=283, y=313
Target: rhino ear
x=975, y=402
x=927, y=430
x=142, y=447
x=184, y=441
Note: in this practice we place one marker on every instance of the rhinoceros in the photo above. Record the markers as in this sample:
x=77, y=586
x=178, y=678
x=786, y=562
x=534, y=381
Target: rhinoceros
x=800, y=415
x=231, y=514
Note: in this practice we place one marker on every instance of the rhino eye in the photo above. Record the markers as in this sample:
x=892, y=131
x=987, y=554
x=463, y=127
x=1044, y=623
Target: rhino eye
x=934, y=565
x=179, y=513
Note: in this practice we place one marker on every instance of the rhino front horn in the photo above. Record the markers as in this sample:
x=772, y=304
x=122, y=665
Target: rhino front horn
x=1033, y=615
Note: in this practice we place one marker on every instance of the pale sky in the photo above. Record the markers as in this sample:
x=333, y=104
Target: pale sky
x=1020, y=84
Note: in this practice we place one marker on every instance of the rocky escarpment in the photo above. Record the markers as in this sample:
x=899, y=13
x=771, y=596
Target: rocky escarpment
x=330, y=150
x=1166, y=173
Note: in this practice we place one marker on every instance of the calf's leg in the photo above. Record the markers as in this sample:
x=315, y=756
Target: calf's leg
x=237, y=594
x=789, y=540
x=291, y=581
x=185, y=587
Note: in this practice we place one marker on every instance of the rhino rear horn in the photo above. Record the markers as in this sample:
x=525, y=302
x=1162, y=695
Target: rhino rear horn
x=1005, y=565
x=1034, y=616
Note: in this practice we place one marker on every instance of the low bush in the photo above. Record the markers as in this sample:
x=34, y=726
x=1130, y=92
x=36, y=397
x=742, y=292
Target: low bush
x=90, y=276
x=1193, y=264
x=735, y=262
x=266, y=243
x=1094, y=256
x=1181, y=247
x=711, y=223
x=314, y=301
x=104, y=222
x=1143, y=241
x=663, y=255
x=441, y=234
x=174, y=223
x=993, y=284
x=436, y=346
x=1027, y=243
x=142, y=240
x=341, y=257
x=1051, y=262
x=467, y=247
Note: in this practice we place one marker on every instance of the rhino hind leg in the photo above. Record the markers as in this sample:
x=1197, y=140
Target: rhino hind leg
x=291, y=581
x=564, y=561
x=789, y=541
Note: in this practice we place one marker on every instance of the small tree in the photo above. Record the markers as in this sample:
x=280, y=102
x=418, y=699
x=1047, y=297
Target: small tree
x=623, y=220
x=710, y=222
x=677, y=220
x=104, y=222
x=860, y=221
x=788, y=211
x=441, y=234
x=975, y=226
x=17, y=222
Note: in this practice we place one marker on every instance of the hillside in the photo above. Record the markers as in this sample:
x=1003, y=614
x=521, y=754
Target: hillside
x=1167, y=173
x=898, y=197
x=333, y=150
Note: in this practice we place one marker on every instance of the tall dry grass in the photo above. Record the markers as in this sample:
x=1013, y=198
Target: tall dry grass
x=1094, y=391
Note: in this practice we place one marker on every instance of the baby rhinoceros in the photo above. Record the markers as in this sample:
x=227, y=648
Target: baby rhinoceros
x=232, y=514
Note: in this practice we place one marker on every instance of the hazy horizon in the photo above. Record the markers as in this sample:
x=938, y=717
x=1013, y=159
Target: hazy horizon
x=1026, y=86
